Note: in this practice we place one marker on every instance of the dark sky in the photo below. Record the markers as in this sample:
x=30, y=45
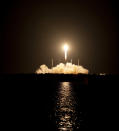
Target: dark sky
x=32, y=32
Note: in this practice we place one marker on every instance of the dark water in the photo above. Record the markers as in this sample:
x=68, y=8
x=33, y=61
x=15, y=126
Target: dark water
x=66, y=113
x=55, y=106
x=35, y=104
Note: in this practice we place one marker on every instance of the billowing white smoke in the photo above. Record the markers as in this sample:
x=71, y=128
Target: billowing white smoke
x=61, y=68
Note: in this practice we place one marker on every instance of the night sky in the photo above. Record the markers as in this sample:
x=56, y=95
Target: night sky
x=32, y=32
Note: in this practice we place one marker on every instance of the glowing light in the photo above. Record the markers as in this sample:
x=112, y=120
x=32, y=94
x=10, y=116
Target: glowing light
x=66, y=47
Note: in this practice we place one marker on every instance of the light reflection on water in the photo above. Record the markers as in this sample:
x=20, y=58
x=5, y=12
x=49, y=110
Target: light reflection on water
x=66, y=115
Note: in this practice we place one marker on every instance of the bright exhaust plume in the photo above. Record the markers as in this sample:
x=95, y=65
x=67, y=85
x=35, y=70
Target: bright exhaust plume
x=61, y=68
x=65, y=51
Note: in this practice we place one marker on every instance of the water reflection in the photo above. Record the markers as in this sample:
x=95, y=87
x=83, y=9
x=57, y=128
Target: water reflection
x=66, y=115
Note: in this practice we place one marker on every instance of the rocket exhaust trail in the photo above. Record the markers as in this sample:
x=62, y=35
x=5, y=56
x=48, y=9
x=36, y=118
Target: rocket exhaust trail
x=65, y=51
x=65, y=55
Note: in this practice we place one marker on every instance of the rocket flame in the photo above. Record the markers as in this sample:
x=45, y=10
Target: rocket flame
x=65, y=51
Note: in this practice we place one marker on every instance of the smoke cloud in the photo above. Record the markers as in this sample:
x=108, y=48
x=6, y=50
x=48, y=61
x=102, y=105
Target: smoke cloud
x=61, y=68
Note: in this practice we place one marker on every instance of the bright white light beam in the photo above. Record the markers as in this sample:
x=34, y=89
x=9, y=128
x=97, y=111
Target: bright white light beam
x=66, y=47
